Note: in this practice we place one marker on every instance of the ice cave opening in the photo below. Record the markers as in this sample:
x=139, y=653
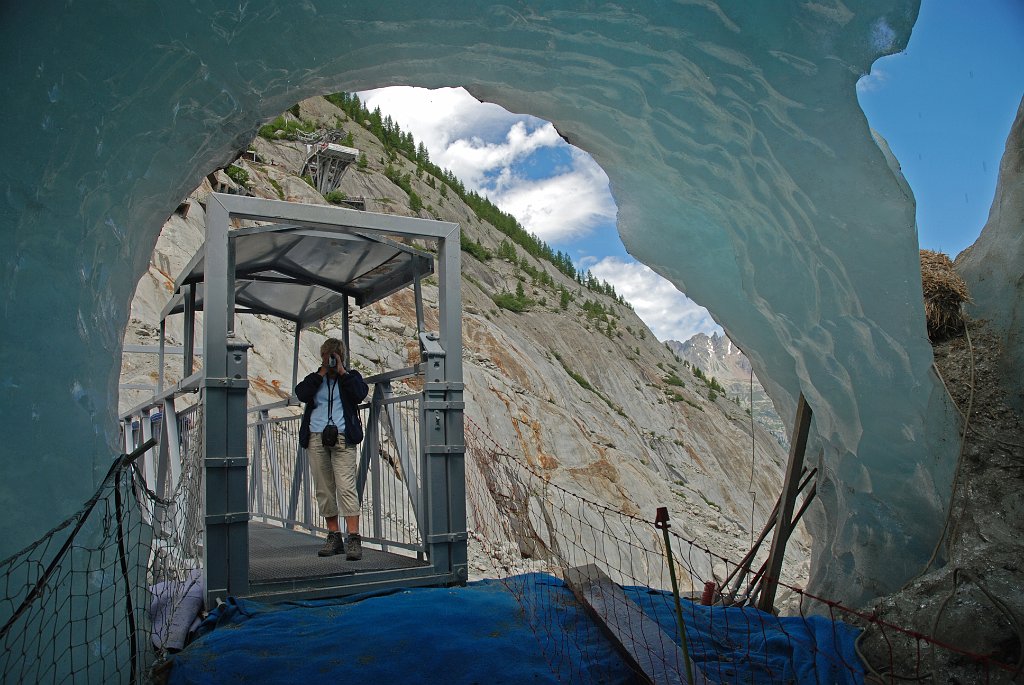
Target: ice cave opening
x=743, y=168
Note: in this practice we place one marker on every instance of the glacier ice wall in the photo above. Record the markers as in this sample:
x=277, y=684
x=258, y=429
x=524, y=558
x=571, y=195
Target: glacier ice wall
x=994, y=265
x=741, y=163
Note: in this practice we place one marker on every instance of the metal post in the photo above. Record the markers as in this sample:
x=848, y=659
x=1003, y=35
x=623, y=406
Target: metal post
x=443, y=442
x=298, y=474
x=190, y=331
x=369, y=461
x=295, y=358
x=661, y=521
x=344, y=331
x=163, y=343
x=256, y=505
x=172, y=441
x=417, y=289
x=148, y=463
x=784, y=526
x=274, y=464
x=225, y=385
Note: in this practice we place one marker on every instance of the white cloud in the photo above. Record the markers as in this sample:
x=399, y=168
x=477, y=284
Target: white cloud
x=437, y=117
x=561, y=207
x=473, y=158
x=483, y=145
x=469, y=137
x=670, y=314
x=487, y=148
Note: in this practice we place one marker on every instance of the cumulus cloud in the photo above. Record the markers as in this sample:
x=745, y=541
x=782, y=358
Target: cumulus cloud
x=487, y=148
x=474, y=160
x=561, y=207
x=670, y=314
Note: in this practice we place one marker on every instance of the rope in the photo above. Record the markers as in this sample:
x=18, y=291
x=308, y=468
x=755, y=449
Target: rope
x=566, y=506
x=959, y=464
x=996, y=602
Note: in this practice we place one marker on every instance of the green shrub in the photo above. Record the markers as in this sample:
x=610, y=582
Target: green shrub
x=563, y=298
x=415, y=201
x=279, y=129
x=474, y=248
x=278, y=188
x=269, y=131
x=511, y=302
x=238, y=175
x=335, y=197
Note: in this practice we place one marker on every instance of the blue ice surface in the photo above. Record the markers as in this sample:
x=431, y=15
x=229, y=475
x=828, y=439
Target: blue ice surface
x=523, y=629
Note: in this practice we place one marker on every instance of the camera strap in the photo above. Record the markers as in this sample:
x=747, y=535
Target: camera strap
x=330, y=401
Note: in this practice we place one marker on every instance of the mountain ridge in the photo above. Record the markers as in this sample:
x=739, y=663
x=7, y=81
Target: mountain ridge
x=722, y=361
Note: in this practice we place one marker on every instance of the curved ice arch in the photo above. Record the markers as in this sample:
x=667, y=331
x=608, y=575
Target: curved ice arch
x=741, y=163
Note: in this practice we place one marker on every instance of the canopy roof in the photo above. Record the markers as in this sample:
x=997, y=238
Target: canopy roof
x=304, y=273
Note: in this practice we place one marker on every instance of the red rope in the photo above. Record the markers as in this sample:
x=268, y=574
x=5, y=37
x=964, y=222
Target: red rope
x=832, y=604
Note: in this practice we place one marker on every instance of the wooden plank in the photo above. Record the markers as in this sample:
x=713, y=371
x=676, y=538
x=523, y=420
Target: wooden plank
x=784, y=525
x=648, y=650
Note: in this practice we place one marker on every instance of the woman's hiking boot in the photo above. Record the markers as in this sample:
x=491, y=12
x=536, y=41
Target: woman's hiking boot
x=354, y=548
x=334, y=544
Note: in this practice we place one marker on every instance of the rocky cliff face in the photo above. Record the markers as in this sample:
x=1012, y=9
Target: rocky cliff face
x=592, y=400
x=718, y=359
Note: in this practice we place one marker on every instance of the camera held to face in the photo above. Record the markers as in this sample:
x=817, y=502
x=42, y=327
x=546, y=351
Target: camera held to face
x=332, y=361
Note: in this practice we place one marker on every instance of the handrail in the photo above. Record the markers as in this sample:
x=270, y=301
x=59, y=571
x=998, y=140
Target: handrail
x=385, y=377
x=396, y=374
x=292, y=401
x=388, y=479
x=183, y=386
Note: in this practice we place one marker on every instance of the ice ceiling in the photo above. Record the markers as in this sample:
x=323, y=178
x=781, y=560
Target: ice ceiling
x=741, y=163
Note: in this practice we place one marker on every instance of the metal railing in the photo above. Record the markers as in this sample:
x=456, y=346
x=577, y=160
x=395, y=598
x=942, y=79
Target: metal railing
x=388, y=476
x=280, y=484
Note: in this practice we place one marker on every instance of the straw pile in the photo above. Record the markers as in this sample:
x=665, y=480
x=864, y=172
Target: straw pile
x=944, y=292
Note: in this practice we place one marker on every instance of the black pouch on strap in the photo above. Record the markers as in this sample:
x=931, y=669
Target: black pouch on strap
x=329, y=436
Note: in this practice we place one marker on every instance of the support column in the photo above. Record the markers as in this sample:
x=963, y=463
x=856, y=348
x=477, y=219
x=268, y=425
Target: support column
x=442, y=419
x=225, y=388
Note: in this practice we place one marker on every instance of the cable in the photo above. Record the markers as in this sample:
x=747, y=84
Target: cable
x=987, y=436
x=996, y=602
x=878, y=675
x=959, y=464
x=750, y=485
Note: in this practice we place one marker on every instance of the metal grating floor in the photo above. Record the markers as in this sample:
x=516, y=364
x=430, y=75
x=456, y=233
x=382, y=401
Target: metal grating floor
x=279, y=554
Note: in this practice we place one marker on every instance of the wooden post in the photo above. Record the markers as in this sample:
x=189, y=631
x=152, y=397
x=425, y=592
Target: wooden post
x=784, y=525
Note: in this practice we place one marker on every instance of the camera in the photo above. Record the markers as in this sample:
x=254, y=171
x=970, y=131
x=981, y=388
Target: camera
x=329, y=436
x=332, y=362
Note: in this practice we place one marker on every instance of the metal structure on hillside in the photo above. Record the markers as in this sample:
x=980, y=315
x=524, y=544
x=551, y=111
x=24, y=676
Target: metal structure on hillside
x=303, y=263
x=327, y=161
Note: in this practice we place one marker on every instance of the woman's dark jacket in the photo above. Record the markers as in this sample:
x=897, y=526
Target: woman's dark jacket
x=353, y=391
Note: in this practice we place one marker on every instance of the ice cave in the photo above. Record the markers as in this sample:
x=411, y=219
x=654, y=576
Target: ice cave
x=742, y=165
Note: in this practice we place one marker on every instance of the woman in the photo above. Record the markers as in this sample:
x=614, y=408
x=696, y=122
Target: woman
x=330, y=431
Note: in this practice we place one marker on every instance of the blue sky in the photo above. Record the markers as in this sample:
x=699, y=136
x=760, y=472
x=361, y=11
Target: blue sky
x=945, y=106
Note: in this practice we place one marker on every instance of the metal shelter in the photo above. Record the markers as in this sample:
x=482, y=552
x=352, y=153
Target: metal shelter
x=308, y=262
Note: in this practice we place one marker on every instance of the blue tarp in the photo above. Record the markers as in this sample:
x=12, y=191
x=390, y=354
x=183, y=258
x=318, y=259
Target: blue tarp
x=524, y=629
